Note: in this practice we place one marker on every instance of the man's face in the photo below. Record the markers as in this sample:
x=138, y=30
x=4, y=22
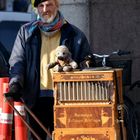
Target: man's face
x=47, y=10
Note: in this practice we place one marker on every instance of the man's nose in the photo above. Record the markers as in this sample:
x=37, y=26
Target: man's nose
x=45, y=6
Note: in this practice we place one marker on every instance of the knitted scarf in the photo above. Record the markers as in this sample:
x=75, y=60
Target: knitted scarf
x=49, y=27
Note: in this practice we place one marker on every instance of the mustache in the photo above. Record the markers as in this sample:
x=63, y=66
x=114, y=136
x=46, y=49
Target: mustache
x=46, y=13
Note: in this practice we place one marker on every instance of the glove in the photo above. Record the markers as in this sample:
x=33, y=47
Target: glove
x=14, y=92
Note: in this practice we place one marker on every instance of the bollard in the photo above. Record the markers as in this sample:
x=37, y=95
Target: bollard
x=6, y=117
x=20, y=127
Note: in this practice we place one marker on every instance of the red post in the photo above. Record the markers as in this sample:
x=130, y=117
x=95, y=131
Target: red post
x=2, y=80
x=6, y=117
x=20, y=127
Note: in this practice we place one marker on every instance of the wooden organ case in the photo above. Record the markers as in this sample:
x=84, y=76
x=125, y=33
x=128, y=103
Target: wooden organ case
x=86, y=105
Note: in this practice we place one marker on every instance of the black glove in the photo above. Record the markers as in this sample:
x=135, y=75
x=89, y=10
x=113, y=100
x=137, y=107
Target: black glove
x=14, y=92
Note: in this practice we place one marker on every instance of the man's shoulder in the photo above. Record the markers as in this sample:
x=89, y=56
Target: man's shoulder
x=72, y=28
x=28, y=24
x=28, y=28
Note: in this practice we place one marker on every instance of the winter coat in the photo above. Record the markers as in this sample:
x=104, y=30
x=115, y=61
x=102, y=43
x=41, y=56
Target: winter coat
x=25, y=57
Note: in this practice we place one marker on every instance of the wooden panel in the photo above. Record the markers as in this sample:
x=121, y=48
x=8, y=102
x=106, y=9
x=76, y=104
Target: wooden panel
x=83, y=76
x=84, y=137
x=85, y=134
x=83, y=117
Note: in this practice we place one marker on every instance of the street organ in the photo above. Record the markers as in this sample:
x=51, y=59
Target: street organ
x=88, y=105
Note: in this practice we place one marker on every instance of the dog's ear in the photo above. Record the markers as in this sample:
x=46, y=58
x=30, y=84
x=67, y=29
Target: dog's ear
x=67, y=51
x=69, y=54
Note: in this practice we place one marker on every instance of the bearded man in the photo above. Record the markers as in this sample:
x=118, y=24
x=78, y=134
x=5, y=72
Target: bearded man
x=33, y=50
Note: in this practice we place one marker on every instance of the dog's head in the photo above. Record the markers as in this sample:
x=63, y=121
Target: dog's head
x=62, y=52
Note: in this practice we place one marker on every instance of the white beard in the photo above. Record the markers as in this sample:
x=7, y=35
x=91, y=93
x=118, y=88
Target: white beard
x=50, y=19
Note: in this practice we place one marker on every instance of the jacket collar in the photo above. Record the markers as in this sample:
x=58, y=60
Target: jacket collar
x=66, y=33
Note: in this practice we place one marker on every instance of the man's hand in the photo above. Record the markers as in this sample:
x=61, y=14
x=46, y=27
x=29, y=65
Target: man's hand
x=14, y=92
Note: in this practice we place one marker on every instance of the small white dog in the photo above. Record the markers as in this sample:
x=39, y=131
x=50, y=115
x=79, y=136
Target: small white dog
x=64, y=62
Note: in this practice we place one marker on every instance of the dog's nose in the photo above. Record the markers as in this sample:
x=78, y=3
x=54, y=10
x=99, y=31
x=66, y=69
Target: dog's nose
x=60, y=57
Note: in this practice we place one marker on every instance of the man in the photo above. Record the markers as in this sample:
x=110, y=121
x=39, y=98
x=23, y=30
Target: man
x=33, y=50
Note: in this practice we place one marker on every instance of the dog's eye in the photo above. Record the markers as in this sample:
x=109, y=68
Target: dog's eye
x=64, y=53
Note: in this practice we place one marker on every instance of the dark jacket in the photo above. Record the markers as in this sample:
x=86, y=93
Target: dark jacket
x=25, y=57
